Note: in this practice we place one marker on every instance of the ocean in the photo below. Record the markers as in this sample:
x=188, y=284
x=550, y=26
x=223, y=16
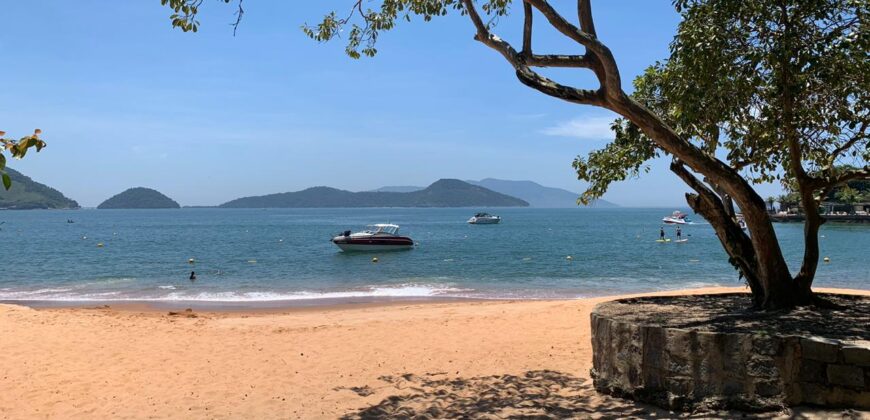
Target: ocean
x=254, y=256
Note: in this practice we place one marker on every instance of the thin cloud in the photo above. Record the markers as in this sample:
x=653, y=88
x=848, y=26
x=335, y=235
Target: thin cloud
x=586, y=128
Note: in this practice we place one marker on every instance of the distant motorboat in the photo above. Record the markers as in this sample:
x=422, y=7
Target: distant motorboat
x=377, y=237
x=741, y=222
x=484, y=219
x=677, y=218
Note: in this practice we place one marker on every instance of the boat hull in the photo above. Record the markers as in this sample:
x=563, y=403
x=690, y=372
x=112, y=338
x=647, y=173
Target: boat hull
x=373, y=245
x=484, y=221
x=670, y=221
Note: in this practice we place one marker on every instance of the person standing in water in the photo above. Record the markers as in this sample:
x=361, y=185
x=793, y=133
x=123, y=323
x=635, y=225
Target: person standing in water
x=662, y=233
x=679, y=233
x=192, y=276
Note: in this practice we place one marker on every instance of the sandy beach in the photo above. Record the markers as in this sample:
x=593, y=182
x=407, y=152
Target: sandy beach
x=347, y=360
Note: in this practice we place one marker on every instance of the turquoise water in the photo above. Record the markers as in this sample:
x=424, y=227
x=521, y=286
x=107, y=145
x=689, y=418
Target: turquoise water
x=247, y=255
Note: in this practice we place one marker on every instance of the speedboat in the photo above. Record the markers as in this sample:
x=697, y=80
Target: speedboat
x=676, y=218
x=741, y=222
x=484, y=219
x=377, y=237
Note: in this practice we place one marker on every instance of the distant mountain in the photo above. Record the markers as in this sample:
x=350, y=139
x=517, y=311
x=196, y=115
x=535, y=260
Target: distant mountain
x=139, y=198
x=29, y=194
x=398, y=189
x=442, y=193
x=536, y=194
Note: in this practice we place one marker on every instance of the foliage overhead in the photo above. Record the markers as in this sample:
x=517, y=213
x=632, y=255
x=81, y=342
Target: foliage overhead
x=723, y=87
x=17, y=149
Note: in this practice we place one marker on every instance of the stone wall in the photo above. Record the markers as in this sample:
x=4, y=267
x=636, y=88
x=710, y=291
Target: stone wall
x=682, y=369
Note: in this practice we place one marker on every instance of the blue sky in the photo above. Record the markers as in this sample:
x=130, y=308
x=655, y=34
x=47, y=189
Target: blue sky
x=125, y=100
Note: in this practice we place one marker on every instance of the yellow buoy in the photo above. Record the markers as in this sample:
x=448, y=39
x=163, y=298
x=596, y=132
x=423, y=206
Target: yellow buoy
x=569, y=258
x=375, y=259
x=191, y=261
x=827, y=260
x=100, y=245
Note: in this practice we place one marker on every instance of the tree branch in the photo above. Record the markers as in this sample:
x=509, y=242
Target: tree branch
x=558, y=60
x=859, y=135
x=527, y=30
x=524, y=73
x=605, y=65
x=584, y=10
x=736, y=243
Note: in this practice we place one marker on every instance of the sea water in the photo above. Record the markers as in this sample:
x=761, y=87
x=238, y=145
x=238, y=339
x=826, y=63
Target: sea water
x=257, y=255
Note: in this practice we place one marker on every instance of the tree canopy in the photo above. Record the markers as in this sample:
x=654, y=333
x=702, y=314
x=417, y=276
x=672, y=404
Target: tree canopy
x=752, y=92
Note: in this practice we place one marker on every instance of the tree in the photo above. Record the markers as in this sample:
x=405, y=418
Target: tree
x=770, y=204
x=17, y=148
x=779, y=87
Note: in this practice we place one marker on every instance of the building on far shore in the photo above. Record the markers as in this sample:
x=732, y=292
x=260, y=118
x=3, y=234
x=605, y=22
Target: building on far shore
x=832, y=211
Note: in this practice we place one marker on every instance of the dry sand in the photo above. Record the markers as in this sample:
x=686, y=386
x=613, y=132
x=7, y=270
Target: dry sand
x=451, y=358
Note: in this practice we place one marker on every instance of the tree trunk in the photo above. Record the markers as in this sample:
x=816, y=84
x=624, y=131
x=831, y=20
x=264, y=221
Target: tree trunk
x=777, y=289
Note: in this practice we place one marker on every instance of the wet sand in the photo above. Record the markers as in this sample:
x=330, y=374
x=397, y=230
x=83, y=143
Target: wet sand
x=441, y=359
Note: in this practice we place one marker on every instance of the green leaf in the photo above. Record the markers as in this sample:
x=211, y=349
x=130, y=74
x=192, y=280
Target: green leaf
x=7, y=181
x=2, y=162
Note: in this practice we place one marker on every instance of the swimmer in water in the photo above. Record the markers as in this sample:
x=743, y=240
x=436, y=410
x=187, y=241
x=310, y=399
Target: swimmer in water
x=192, y=276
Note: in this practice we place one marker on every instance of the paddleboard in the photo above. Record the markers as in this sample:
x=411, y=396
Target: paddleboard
x=681, y=241
x=663, y=240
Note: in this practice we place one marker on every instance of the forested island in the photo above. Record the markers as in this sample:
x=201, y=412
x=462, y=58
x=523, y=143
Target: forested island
x=139, y=198
x=27, y=194
x=442, y=193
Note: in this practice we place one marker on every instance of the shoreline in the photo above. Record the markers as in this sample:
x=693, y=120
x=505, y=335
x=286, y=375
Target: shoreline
x=337, y=304
x=306, y=362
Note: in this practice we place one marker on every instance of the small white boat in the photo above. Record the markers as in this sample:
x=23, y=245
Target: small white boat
x=377, y=237
x=741, y=222
x=484, y=219
x=676, y=218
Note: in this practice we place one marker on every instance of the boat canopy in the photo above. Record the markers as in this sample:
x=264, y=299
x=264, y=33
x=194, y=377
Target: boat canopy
x=383, y=228
x=482, y=215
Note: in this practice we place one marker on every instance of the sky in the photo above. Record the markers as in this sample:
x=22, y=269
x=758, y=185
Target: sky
x=125, y=100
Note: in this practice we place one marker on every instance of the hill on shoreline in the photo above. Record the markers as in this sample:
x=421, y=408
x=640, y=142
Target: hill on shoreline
x=442, y=193
x=535, y=194
x=139, y=198
x=538, y=195
x=27, y=194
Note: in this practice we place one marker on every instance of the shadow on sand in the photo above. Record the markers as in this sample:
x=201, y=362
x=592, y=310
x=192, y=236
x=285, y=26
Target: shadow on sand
x=536, y=394
x=540, y=394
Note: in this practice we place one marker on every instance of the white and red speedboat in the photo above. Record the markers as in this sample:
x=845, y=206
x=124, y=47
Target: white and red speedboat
x=378, y=237
x=676, y=218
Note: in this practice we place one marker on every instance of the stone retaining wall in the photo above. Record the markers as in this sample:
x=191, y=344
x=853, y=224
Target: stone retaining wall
x=683, y=369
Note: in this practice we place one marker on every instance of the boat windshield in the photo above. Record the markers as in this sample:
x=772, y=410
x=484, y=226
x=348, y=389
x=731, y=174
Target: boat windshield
x=482, y=215
x=382, y=228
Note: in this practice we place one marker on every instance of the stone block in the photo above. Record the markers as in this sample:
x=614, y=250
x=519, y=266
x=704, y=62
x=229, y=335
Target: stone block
x=812, y=371
x=846, y=375
x=677, y=342
x=767, y=388
x=762, y=367
x=679, y=386
x=653, y=379
x=857, y=399
x=733, y=387
x=654, y=348
x=814, y=393
x=820, y=349
x=856, y=355
x=766, y=345
x=679, y=366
